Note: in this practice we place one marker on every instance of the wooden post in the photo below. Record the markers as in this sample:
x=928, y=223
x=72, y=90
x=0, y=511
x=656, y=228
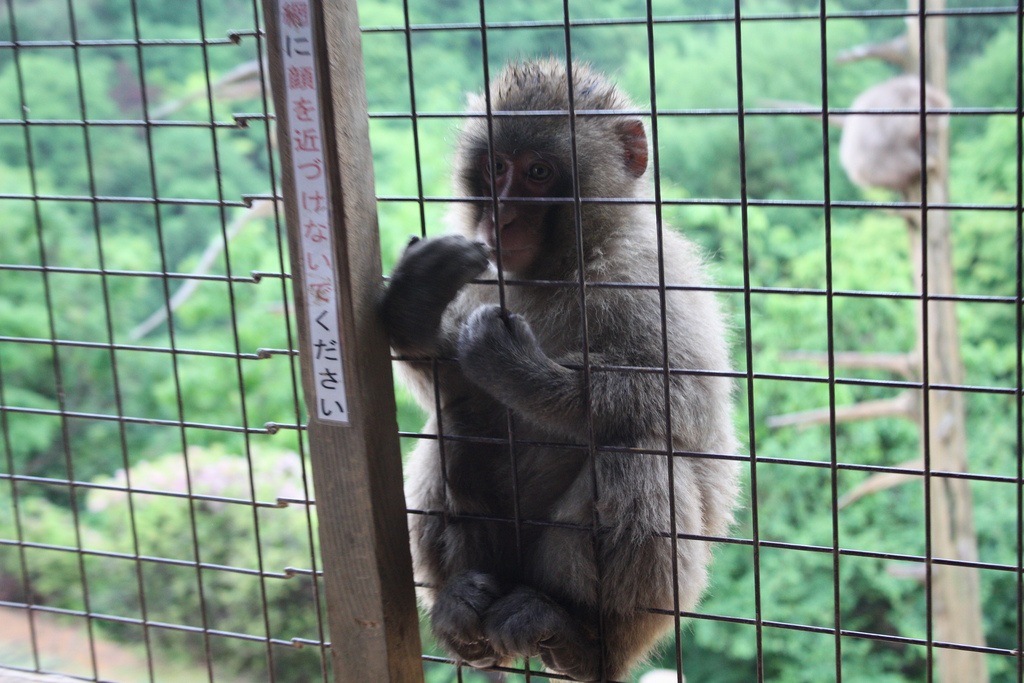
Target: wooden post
x=956, y=594
x=323, y=131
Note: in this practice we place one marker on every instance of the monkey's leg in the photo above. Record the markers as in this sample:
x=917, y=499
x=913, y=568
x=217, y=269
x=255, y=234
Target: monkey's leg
x=457, y=617
x=528, y=623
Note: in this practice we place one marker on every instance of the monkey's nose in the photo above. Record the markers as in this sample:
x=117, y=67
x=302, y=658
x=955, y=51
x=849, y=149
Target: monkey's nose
x=506, y=214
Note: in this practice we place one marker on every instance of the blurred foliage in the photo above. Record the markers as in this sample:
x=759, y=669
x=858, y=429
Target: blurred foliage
x=217, y=528
x=694, y=76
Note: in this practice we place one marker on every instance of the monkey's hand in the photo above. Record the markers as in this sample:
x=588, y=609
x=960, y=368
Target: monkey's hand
x=428, y=276
x=499, y=353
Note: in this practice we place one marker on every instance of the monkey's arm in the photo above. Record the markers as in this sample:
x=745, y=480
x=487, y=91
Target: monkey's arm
x=499, y=353
x=428, y=276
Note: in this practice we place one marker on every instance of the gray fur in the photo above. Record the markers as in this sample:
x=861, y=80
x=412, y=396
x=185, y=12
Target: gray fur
x=884, y=150
x=552, y=595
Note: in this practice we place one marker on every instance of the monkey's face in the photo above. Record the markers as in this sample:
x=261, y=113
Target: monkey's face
x=522, y=181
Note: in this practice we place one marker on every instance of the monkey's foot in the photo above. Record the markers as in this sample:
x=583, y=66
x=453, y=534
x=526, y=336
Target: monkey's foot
x=580, y=662
x=457, y=617
x=479, y=655
x=528, y=623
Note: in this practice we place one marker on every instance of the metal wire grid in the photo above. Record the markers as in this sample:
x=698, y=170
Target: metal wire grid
x=744, y=21
x=251, y=426
x=10, y=412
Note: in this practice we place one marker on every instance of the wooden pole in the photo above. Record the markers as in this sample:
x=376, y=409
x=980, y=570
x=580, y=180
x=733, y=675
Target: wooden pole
x=956, y=595
x=327, y=183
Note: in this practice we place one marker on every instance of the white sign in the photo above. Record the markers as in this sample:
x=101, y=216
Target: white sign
x=319, y=273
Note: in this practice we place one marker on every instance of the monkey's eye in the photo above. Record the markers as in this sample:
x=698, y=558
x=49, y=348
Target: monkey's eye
x=500, y=168
x=540, y=173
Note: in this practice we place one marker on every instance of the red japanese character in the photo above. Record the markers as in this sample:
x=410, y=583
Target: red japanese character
x=304, y=109
x=295, y=14
x=301, y=78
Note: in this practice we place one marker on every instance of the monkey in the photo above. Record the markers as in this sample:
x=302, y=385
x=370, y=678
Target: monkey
x=541, y=515
x=884, y=150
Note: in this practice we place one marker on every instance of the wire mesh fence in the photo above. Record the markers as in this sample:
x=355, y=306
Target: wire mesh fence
x=158, y=522
x=147, y=481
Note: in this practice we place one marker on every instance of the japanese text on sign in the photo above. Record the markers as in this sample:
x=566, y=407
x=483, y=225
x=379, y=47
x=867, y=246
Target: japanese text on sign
x=319, y=274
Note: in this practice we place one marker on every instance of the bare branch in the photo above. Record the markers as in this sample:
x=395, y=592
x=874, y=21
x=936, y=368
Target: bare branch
x=904, y=364
x=798, y=108
x=902, y=570
x=241, y=82
x=904, y=405
x=896, y=51
x=259, y=209
x=883, y=481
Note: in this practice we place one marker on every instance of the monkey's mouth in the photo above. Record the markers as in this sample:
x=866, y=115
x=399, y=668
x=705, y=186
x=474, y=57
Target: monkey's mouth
x=514, y=259
x=510, y=250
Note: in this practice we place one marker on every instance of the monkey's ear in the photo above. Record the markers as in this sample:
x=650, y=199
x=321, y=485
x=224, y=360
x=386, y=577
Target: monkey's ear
x=634, y=141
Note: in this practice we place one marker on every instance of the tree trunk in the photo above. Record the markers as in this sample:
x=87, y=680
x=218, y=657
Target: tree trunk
x=956, y=595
